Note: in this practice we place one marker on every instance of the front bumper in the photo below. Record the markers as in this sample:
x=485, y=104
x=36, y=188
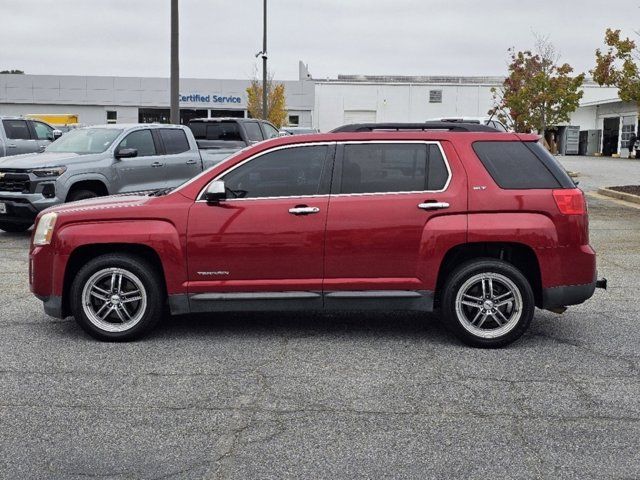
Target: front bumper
x=52, y=306
x=24, y=208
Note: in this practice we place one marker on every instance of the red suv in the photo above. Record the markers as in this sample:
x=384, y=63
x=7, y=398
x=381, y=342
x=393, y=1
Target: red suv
x=481, y=225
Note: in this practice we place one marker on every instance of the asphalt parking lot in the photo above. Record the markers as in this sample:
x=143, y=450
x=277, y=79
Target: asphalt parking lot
x=340, y=396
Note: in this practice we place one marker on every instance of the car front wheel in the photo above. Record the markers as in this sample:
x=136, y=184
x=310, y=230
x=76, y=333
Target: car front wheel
x=117, y=297
x=488, y=303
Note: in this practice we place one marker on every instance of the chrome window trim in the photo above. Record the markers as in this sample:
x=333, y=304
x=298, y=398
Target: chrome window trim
x=342, y=142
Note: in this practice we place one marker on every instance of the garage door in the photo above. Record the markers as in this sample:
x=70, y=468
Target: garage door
x=359, y=116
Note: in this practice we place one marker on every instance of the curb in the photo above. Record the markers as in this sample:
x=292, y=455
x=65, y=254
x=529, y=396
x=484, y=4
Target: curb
x=619, y=195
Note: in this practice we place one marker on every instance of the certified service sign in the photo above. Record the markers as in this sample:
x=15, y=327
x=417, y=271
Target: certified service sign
x=210, y=98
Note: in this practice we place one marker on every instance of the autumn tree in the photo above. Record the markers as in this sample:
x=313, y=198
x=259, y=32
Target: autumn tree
x=538, y=92
x=276, y=106
x=618, y=66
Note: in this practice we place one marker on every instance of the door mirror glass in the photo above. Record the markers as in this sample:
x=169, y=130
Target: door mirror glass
x=56, y=134
x=216, y=191
x=126, y=153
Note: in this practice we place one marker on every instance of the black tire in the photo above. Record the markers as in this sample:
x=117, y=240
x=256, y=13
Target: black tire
x=76, y=195
x=471, y=276
x=149, y=311
x=14, y=227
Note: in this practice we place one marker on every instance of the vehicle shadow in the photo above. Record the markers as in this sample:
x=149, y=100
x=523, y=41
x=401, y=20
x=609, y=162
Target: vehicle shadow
x=306, y=324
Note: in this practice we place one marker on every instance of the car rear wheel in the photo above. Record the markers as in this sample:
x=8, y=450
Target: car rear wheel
x=14, y=227
x=488, y=303
x=117, y=297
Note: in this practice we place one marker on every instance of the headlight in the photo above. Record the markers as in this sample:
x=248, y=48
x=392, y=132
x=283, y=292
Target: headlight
x=44, y=230
x=49, y=172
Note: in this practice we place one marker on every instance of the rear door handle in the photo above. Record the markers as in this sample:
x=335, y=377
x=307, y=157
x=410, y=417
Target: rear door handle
x=303, y=210
x=13, y=145
x=433, y=205
x=156, y=164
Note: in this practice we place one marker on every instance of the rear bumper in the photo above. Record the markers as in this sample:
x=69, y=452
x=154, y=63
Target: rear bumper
x=566, y=295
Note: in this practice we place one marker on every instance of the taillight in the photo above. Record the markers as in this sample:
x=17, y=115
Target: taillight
x=570, y=202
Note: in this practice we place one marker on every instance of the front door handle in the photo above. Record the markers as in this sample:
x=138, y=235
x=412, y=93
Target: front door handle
x=433, y=205
x=303, y=210
x=12, y=145
x=191, y=162
x=156, y=164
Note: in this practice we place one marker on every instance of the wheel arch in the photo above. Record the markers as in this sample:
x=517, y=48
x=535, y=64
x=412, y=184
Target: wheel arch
x=94, y=184
x=81, y=255
x=520, y=255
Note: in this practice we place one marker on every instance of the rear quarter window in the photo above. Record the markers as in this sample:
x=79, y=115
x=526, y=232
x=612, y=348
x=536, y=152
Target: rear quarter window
x=521, y=165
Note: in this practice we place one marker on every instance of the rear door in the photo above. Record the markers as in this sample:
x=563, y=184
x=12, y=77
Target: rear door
x=19, y=137
x=180, y=162
x=143, y=172
x=393, y=206
x=253, y=132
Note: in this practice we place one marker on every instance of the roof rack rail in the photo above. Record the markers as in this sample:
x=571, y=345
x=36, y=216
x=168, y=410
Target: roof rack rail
x=449, y=126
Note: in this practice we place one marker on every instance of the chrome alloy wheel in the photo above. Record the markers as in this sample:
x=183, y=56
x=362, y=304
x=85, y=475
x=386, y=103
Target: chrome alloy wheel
x=114, y=299
x=489, y=305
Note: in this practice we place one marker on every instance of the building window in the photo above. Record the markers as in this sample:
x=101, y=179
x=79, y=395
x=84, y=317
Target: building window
x=628, y=127
x=435, y=96
x=112, y=116
x=294, y=120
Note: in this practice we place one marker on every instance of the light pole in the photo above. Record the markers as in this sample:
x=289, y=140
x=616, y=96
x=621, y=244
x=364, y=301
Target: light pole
x=174, y=82
x=264, y=60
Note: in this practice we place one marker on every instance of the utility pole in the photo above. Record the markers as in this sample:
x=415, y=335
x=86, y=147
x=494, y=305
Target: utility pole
x=264, y=60
x=174, y=87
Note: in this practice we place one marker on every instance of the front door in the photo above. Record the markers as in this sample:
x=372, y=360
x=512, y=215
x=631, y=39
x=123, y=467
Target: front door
x=390, y=208
x=145, y=171
x=263, y=246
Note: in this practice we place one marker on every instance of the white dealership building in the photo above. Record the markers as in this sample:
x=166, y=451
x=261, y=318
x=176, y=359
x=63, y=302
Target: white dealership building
x=603, y=122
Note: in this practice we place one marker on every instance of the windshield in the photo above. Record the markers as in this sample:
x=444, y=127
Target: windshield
x=85, y=140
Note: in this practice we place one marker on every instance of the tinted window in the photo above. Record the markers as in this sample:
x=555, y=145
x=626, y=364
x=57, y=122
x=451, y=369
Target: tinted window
x=175, y=140
x=16, y=129
x=269, y=131
x=43, y=132
x=514, y=165
x=283, y=173
x=370, y=168
x=254, y=133
x=141, y=140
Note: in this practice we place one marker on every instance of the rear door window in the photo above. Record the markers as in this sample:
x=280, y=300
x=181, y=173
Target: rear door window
x=254, y=134
x=518, y=165
x=175, y=140
x=388, y=167
x=16, y=129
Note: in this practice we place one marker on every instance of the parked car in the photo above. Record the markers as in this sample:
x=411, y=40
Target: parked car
x=483, y=226
x=230, y=133
x=298, y=131
x=97, y=161
x=21, y=135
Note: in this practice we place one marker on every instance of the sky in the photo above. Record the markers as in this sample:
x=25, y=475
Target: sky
x=219, y=38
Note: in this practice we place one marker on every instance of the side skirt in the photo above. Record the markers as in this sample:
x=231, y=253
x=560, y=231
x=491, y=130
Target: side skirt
x=381, y=300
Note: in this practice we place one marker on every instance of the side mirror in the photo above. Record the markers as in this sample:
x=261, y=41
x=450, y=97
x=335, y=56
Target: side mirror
x=216, y=191
x=56, y=134
x=126, y=153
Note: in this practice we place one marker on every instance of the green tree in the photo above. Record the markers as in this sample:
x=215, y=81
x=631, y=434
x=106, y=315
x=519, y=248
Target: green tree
x=538, y=92
x=276, y=105
x=618, y=66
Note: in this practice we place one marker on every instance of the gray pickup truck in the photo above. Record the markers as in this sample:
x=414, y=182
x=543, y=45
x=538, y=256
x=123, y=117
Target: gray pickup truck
x=22, y=135
x=95, y=161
